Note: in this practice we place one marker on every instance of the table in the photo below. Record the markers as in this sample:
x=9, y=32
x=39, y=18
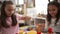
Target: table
x=32, y=32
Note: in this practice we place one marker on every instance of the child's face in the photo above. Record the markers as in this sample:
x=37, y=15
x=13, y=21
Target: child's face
x=9, y=9
x=52, y=10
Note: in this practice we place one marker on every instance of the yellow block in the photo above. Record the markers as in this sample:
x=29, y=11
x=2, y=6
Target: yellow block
x=31, y=32
x=20, y=32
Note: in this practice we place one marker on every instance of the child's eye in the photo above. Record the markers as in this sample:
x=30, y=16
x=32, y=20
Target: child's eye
x=52, y=10
x=8, y=10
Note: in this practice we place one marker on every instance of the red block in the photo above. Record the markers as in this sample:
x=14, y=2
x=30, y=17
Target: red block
x=38, y=32
x=50, y=30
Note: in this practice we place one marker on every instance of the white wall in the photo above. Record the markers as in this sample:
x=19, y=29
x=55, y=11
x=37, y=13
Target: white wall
x=41, y=6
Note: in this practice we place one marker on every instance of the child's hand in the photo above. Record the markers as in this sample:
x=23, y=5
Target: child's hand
x=27, y=18
x=16, y=33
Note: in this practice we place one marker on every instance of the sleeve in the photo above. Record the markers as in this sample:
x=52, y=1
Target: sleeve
x=17, y=29
x=46, y=25
x=19, y=17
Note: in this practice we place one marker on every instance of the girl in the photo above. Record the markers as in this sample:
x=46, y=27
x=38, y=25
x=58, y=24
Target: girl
x=9, y=20
x=53, y=16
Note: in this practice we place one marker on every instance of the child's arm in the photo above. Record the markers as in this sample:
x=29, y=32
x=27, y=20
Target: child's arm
x=20, y=17
x=17, y=29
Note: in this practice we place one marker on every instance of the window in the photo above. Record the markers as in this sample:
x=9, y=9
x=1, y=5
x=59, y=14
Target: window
x=41, y=6
x=19, y=6
x=19, y=1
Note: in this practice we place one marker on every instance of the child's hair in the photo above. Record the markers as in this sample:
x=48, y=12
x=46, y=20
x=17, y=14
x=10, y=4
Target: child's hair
x=3, y=15
x=58, y=12
x=0, y=2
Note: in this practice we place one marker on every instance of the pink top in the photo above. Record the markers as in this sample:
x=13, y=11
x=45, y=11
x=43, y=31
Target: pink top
x=12, y=29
